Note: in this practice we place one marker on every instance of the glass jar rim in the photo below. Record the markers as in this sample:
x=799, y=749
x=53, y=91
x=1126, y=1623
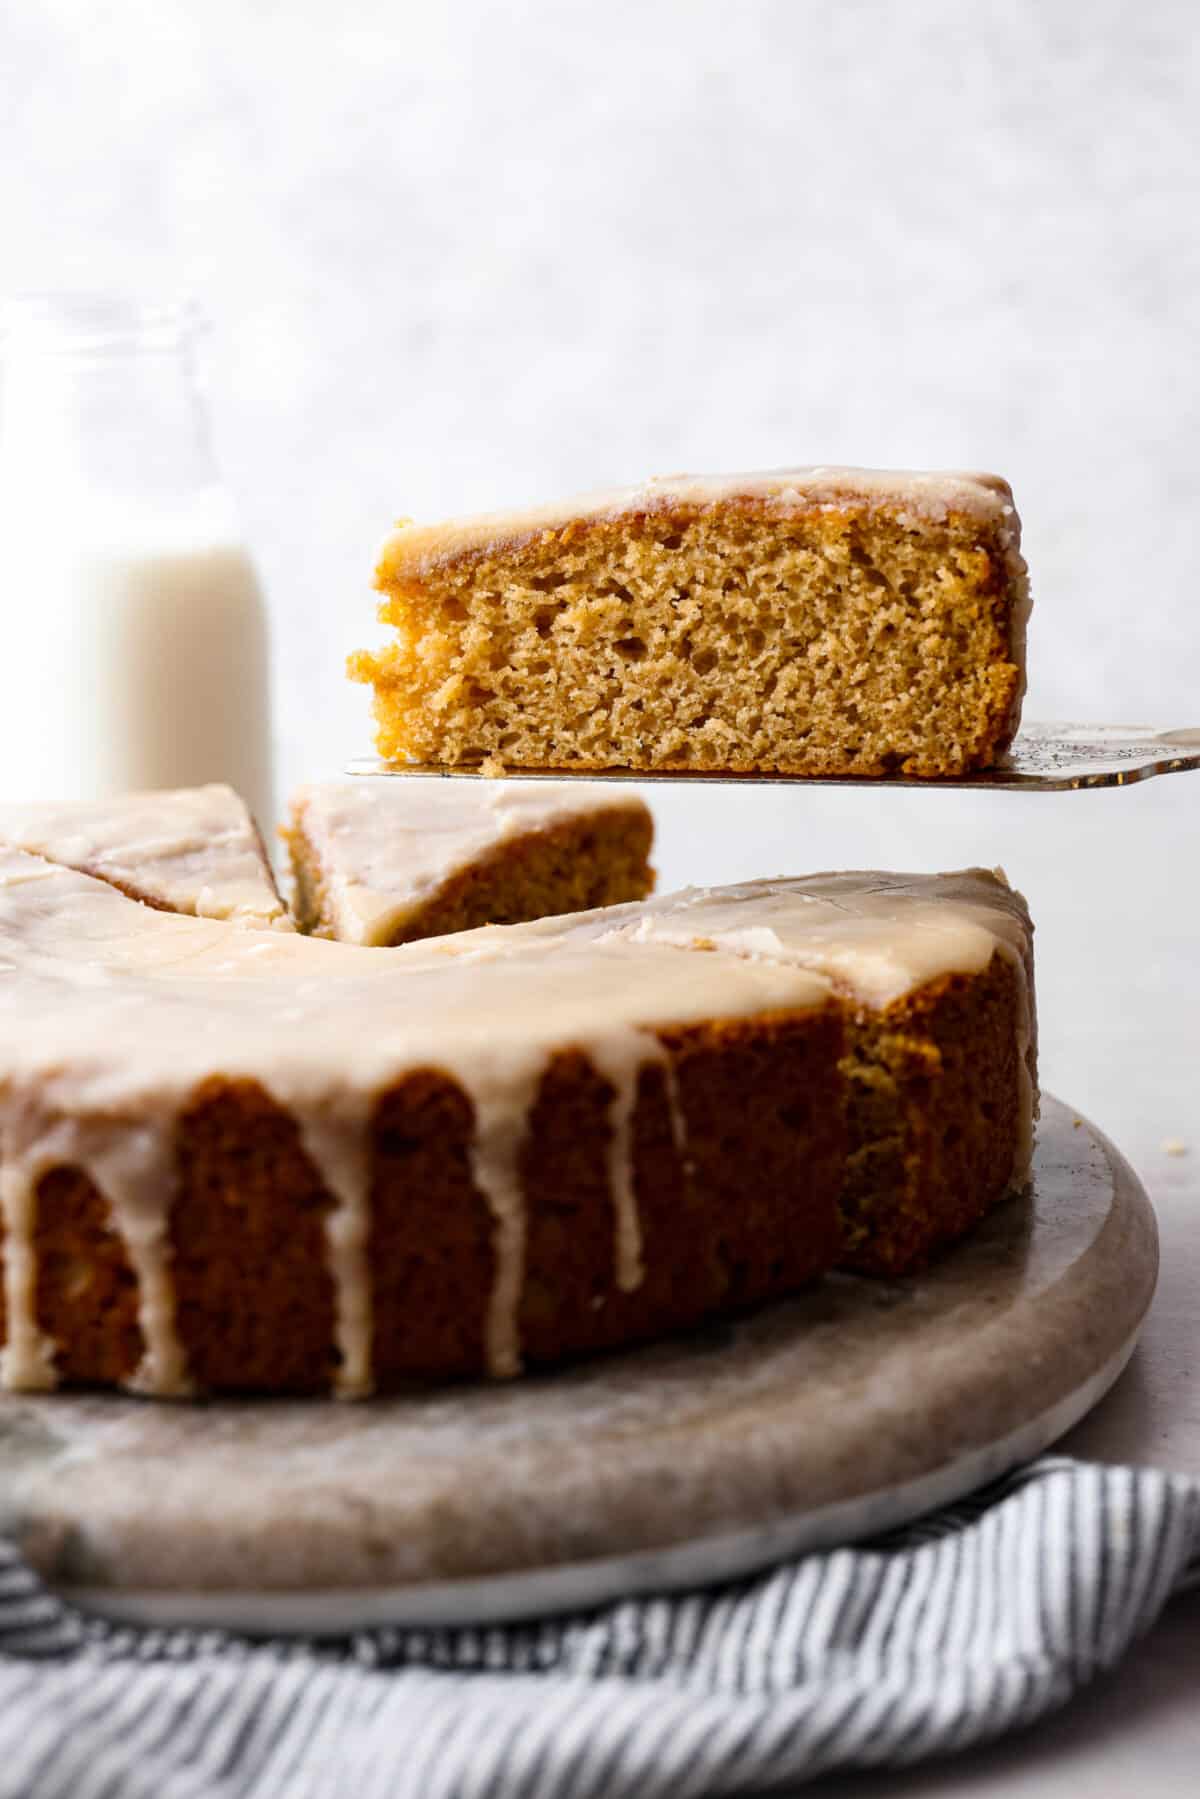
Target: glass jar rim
x=95, y=323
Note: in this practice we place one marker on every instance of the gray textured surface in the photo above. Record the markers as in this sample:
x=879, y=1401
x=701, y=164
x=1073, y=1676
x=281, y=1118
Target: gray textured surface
x=799, y=1408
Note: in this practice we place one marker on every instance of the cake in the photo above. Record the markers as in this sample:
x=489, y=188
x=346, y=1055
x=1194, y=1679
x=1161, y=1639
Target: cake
x=195, y=850
x=249, y=1160
x=383, y=861
x=819, y=621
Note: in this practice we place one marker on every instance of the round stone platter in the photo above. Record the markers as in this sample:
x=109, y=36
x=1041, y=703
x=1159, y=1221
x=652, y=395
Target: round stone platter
x=840, y=1414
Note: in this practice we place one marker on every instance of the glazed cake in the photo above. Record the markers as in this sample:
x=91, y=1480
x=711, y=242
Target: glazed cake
x=382, y=861
x=240, y=1160
x=819, y=621
x=195, y=850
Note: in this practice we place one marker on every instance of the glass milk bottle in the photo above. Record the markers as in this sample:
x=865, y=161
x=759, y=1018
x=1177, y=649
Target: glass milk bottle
x=135, y=641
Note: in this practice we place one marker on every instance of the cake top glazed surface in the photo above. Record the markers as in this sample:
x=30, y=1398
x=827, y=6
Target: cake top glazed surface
x=386, y=846
x=194, y=850
x=414, y=550
x=111, y=1013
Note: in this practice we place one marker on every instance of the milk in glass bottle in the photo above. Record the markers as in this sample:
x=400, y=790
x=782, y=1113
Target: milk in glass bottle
x=135, y=644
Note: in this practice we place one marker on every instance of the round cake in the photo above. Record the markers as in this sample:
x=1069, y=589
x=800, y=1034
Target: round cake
x=238, y=1159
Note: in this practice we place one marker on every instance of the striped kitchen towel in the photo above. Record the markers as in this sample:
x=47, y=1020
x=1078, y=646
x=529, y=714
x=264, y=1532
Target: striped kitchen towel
x=983, y=1617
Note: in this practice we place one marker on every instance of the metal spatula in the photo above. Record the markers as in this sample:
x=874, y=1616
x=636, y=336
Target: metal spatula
x=1045, y=758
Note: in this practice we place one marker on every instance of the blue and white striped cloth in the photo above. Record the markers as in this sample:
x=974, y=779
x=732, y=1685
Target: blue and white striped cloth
x=984, y=1617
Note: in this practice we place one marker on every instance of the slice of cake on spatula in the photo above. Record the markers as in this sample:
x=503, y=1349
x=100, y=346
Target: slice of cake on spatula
x=194, y=850
x=381, y=861
x=830, y=622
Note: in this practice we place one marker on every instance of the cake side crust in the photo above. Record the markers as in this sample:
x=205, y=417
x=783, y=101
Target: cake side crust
x=935, y=1099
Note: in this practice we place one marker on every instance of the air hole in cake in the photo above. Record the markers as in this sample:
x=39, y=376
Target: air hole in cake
x=544, y=619
x=704, y=661
x=630, y=649
x=547, y=583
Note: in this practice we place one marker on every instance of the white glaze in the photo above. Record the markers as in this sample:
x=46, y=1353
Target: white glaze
x=190, y=849
x=622, y=1070
x=415, y=550
x=336, y=1138
x=112, y=1013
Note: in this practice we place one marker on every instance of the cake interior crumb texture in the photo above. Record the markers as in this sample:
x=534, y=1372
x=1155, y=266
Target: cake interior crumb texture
x=858, y=624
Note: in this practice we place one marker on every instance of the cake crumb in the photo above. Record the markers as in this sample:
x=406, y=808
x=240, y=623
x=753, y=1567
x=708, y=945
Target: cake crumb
x=1174, y=1146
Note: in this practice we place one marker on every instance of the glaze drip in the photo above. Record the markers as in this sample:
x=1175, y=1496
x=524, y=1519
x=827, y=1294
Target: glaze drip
x=501, y=1117
x=621, y=1065
x=133, y=1167
x=339, y=1146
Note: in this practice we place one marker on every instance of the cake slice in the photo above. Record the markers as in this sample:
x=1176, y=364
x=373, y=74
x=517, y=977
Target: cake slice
x=194, y=850
x=385, y=861
x=821, y=621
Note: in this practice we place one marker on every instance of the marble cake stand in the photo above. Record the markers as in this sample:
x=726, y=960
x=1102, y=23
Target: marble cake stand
x=840, y=1414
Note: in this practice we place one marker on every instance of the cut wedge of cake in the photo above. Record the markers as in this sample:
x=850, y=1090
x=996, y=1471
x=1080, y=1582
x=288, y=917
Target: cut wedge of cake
x=820, y=621
x=386, y=861
x=194, y=850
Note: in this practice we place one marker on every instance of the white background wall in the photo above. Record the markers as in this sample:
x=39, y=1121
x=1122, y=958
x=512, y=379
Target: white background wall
x=466, y=254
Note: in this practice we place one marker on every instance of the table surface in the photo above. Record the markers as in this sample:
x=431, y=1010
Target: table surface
x=1136, y=1730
